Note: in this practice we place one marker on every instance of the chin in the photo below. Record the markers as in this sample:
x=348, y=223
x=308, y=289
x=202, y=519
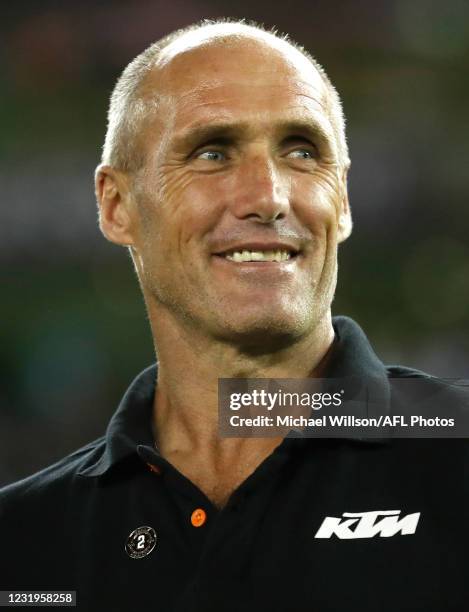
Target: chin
x=264, y=334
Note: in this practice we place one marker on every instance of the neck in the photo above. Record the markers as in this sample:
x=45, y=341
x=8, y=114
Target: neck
x=190, y=366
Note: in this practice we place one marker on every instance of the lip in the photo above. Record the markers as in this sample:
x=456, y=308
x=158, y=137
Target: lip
x=258, y=246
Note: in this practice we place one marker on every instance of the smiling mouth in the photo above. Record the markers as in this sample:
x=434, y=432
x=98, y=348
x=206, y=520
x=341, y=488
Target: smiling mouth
x=245, y=256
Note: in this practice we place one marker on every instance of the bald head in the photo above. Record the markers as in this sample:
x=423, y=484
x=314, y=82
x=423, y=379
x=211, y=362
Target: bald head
x=190, y=56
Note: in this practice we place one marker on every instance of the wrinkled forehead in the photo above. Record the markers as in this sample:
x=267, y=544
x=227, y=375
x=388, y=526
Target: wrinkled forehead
x=197, y=62
x=248, y=81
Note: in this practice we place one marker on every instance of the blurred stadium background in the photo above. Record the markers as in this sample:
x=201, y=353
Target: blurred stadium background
x=74, y=330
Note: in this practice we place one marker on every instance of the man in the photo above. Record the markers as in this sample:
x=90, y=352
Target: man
x=224, y=172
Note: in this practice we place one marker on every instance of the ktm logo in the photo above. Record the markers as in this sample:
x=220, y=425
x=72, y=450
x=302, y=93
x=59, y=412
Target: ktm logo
x=354, y=525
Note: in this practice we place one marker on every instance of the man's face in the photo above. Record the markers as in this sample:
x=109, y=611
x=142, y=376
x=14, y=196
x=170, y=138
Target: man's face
x=241, y=194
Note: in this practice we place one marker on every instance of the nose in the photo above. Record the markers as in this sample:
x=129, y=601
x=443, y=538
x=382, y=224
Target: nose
x=262, y=192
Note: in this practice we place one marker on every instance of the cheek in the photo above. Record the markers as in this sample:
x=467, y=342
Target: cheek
x=319, y=204
x=201, y=194
x=188, y=205
x=171, y=185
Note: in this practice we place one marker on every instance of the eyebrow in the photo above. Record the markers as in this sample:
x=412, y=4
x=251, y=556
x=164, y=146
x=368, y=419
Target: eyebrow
x=230, y=132
x=200, y=133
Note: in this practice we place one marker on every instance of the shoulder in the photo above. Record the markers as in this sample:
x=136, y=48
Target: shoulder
x=399, y=371
x=40, y=514
x=410, y=377
x=438, y=406
x=54, y=479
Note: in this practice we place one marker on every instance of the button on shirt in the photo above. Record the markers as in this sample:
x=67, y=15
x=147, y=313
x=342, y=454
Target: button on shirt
x=120, y=525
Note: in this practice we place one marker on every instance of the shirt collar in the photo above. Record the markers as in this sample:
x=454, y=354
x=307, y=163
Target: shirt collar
x=353, y=358
x=353, y=355
x=130, y=427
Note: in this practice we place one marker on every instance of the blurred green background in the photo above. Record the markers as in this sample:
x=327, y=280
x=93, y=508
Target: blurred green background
x=74, y=331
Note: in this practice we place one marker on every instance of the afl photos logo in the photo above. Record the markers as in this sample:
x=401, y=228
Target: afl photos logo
x=140, y=542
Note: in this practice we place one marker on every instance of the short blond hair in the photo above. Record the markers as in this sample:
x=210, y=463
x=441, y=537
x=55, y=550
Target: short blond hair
x=128, y=108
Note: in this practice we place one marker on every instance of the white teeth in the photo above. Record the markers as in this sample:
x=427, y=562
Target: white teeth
x=240, y=256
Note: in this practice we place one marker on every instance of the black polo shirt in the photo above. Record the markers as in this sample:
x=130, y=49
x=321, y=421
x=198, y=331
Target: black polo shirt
x=272, y=547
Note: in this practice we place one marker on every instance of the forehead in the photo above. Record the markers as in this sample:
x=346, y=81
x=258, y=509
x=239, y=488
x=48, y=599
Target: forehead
x=237, y=79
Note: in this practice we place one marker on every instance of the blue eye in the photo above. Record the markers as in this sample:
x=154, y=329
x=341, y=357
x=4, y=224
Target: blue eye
x=301, y=154
x=212, y=156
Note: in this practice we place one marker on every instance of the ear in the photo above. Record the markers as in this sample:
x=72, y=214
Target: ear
x=115, y=205
x=344, y=228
